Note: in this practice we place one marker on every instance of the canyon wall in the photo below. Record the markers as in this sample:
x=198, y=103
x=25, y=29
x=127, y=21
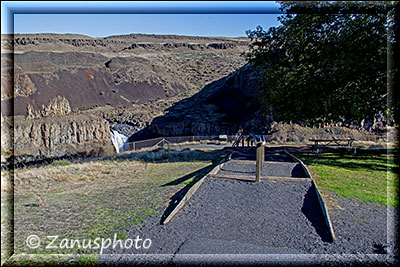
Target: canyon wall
x=53, y=137
x=60, y=92
x=221, y=107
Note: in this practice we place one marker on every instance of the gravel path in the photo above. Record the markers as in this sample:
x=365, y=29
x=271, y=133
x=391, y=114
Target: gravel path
x=234, y=217
x=281, y=169
x=271, y=216
x=270, y=155
x=362, y=227
x=280, y=218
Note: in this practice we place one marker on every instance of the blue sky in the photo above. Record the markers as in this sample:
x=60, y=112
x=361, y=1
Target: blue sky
x=230, y=19
x=100, y=25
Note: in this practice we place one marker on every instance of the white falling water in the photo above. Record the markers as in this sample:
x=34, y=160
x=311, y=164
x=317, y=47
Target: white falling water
x=119, y=141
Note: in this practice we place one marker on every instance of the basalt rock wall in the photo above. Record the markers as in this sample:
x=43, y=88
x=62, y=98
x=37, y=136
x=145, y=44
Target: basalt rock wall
x=221, y=107
x=54, y=137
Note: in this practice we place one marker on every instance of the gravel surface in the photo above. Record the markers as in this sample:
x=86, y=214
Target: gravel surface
x=234, y=217
x=281, y=169
x=281, y=219
x=268, y=157
x=362, y=227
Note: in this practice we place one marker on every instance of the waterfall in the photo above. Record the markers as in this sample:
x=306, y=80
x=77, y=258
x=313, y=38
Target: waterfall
x=119, y=141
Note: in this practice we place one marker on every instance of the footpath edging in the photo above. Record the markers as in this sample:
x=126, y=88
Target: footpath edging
x=320, y=199
x=194, y=188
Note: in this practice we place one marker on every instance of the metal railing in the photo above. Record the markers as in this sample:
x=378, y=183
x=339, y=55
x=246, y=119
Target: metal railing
x=251, y=140
x=248, y=140
x=171, y=140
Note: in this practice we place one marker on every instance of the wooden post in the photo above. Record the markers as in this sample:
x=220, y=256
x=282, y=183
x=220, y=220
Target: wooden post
x=259, y=160
x=263, y=152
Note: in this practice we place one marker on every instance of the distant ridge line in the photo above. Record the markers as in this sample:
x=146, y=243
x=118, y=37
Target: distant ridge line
x=124, y=36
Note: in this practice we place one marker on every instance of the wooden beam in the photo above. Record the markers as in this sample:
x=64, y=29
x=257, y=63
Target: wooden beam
x=324, y=211
x=319, y=197
x=251, y=178
x=188, y=195
x=253, y=161
x=193, y=189
x=259, y=161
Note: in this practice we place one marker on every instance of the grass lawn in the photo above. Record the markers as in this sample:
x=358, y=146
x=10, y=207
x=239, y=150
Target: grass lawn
x=368, y=177
x=98, y=198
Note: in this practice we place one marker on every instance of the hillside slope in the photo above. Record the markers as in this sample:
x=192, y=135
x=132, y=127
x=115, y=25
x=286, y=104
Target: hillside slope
x=61, y=93
x=117, y=71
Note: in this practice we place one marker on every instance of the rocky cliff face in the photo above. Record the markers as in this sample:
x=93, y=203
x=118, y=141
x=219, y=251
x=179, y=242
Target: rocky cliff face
x=53, y=137
x=60, y=93
x=221, y=107
x=58, y=106
x=118, y=43
x=64, y=90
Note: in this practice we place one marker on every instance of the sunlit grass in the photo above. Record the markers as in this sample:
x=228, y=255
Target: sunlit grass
x=370, y=177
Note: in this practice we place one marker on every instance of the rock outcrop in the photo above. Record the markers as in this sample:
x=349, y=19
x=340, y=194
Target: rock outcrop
x=232, y=103
x=50, y=137
x=58, y=106
x=182, y=46
x=119, y=42
x=23, y=85
x=64, y=90
x=221, y=107
x=27, y=141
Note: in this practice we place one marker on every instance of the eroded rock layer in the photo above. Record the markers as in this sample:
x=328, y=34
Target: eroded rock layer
x=60, y=93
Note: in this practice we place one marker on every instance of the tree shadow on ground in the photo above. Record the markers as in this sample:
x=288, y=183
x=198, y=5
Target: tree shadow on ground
x=194, y=175
x=175, y=199
x=312, y=210
x=376, y=161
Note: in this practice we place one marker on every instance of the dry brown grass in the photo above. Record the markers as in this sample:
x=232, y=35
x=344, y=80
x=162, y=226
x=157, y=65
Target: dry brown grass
x=74, y=177
x=98, y=198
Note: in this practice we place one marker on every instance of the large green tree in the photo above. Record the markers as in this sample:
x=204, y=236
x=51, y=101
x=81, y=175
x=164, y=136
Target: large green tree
x=327, y=61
